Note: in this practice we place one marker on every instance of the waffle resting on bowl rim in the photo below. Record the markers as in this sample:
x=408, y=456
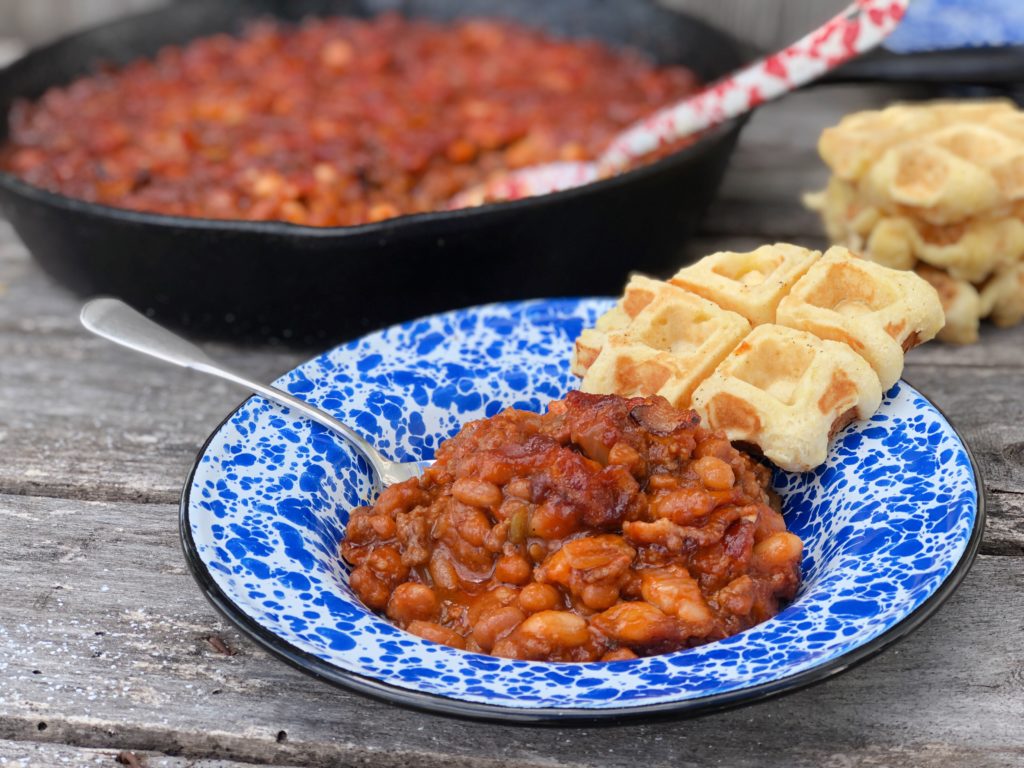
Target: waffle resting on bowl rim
x=880, y=313
x=788, y=392
x=838, y=328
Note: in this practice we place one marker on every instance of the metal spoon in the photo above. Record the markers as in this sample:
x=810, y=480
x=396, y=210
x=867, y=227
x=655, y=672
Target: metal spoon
x=114, y=320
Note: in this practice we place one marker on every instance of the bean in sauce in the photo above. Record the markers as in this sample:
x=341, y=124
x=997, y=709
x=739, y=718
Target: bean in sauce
x=605, y=529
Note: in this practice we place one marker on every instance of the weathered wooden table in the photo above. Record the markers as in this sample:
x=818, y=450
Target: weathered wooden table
x=107, y=647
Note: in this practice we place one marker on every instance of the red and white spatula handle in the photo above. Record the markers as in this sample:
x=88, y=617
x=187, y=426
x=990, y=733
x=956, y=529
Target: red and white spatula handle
x=858, y=29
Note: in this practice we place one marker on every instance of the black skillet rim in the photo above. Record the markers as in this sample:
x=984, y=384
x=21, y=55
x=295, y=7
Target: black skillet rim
x=440, y=705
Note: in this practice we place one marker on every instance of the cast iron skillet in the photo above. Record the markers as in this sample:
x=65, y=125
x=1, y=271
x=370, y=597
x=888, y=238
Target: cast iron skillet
x=308, y=285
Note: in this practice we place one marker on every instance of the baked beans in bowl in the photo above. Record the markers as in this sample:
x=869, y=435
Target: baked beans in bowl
x=888, y=526
x=604, y=529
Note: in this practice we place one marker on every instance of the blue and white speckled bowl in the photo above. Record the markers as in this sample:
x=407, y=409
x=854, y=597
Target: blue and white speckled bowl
x=891, y=524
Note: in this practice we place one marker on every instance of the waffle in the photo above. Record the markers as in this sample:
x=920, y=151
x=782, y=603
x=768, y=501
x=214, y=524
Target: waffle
x=1002, y=297
x=639, y=292
x=788, y=392
x=942, y=186
x=750, y=284
x=945, y=161
x=880, y=313
x=671, y=345
x=937, y=188
x=861, y=138
x=699, y=350
x=970, y=250
x=961, y=304
x=848, y=221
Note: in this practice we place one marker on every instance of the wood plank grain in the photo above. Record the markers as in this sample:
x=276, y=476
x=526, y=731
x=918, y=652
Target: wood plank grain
x=84, y=419
x=987, y=408
x=112, y=424
x=106, y=643
x=26, y=754
x=115, y=426
x=1004, y=531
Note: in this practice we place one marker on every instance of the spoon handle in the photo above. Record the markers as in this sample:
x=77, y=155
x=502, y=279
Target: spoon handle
x=116, y=321
x=858, y=28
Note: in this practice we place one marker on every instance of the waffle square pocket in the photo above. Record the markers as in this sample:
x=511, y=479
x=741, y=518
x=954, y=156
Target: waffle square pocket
x=788, y=392
x=668, y=348
x=750, y=284
x=639, y=292
x=880, y=313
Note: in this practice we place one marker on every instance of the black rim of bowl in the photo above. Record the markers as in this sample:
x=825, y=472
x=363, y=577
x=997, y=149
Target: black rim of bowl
x=441, y=705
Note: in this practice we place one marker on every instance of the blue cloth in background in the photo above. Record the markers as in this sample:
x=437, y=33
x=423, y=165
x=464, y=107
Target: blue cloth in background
x=944, y=24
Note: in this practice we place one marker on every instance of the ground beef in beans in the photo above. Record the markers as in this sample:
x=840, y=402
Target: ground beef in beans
x=335, y=121
x=606, y=529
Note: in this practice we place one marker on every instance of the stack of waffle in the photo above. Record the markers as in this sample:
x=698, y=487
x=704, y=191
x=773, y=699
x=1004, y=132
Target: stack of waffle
x=938, y=188
x=780, y=347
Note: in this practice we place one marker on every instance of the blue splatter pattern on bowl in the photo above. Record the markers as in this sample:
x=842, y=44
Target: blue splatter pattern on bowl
x=886, y=522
